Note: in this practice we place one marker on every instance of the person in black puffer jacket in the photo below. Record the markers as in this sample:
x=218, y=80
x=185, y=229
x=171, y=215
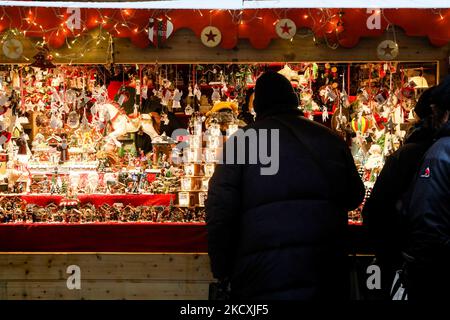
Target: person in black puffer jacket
x=283, y=236
x=427, y=217
x=381, y=212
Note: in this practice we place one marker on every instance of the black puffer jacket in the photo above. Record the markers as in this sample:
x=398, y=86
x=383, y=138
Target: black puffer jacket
x=283, y=236
x=381, y=211
x=428, y=217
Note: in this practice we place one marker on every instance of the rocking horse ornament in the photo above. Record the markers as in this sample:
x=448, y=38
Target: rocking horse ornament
x=107, y=112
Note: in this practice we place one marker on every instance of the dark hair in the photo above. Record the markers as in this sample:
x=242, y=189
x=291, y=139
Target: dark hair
x=441, y=95
x=423, y=105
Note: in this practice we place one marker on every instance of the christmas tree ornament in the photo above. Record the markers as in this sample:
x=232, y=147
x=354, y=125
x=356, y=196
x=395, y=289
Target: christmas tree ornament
x=286, y=28
x=387, y=50
x=211, y=36
x=159, y=30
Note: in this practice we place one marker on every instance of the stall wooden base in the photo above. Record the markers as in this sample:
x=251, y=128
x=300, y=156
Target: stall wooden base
x=34, y=276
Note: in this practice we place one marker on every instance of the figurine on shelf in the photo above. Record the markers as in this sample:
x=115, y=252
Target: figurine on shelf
x=63, y=149
x=197, y=93
x=215, y=97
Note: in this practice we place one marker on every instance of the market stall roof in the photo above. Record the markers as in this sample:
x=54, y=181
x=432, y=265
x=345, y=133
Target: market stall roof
x=232, y=4
x=216, y=27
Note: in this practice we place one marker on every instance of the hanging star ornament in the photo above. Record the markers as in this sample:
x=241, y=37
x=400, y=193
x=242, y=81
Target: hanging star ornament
x=286, y=28
x=387, y=50
x=211, y=36
x=12, y=48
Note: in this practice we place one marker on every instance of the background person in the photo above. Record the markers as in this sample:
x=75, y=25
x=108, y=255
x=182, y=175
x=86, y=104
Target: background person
x=381, y=211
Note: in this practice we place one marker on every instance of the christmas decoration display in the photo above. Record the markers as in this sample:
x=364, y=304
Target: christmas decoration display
x=63, y=133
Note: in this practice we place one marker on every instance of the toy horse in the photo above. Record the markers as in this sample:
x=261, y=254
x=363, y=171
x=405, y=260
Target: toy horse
x=121, y=123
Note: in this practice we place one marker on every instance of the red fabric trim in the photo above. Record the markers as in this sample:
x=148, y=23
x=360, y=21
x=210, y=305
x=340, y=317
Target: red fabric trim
x=99, y=199
x=103, y=237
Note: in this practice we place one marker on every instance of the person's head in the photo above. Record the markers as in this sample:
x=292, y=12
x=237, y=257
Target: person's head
x=423, y=105
x=273, y=94
x=440, y=103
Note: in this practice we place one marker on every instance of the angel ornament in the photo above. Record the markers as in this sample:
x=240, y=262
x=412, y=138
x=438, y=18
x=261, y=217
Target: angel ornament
x=197, y=92
x=166, y=98
x=215, y=97
x=176, y=99
x=55, y=120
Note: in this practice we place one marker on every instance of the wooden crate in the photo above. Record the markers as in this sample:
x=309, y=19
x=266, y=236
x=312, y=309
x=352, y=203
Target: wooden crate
x=105, y=276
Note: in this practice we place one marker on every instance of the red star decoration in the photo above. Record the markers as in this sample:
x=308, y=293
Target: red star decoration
x=211, y=36
x=286, y=28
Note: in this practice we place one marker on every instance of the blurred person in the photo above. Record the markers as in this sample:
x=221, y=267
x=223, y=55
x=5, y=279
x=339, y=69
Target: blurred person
x=381, y=212
x=283, y=236
x=427, y=212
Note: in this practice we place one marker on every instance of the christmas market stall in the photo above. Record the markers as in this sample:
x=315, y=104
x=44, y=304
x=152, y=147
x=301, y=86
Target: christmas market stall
x=111, y=122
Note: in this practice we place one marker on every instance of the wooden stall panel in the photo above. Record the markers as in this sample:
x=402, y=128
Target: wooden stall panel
x=104, y=276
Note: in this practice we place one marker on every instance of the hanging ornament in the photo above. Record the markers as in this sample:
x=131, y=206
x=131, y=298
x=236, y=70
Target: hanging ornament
x=286, y=28
x=211, y=36
x=387, y=50
x=73, y=120
x=360, y=124
x=5, y=136
x=43, y=59
x=159, y=30
x=12, y=48
x=188, y=110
